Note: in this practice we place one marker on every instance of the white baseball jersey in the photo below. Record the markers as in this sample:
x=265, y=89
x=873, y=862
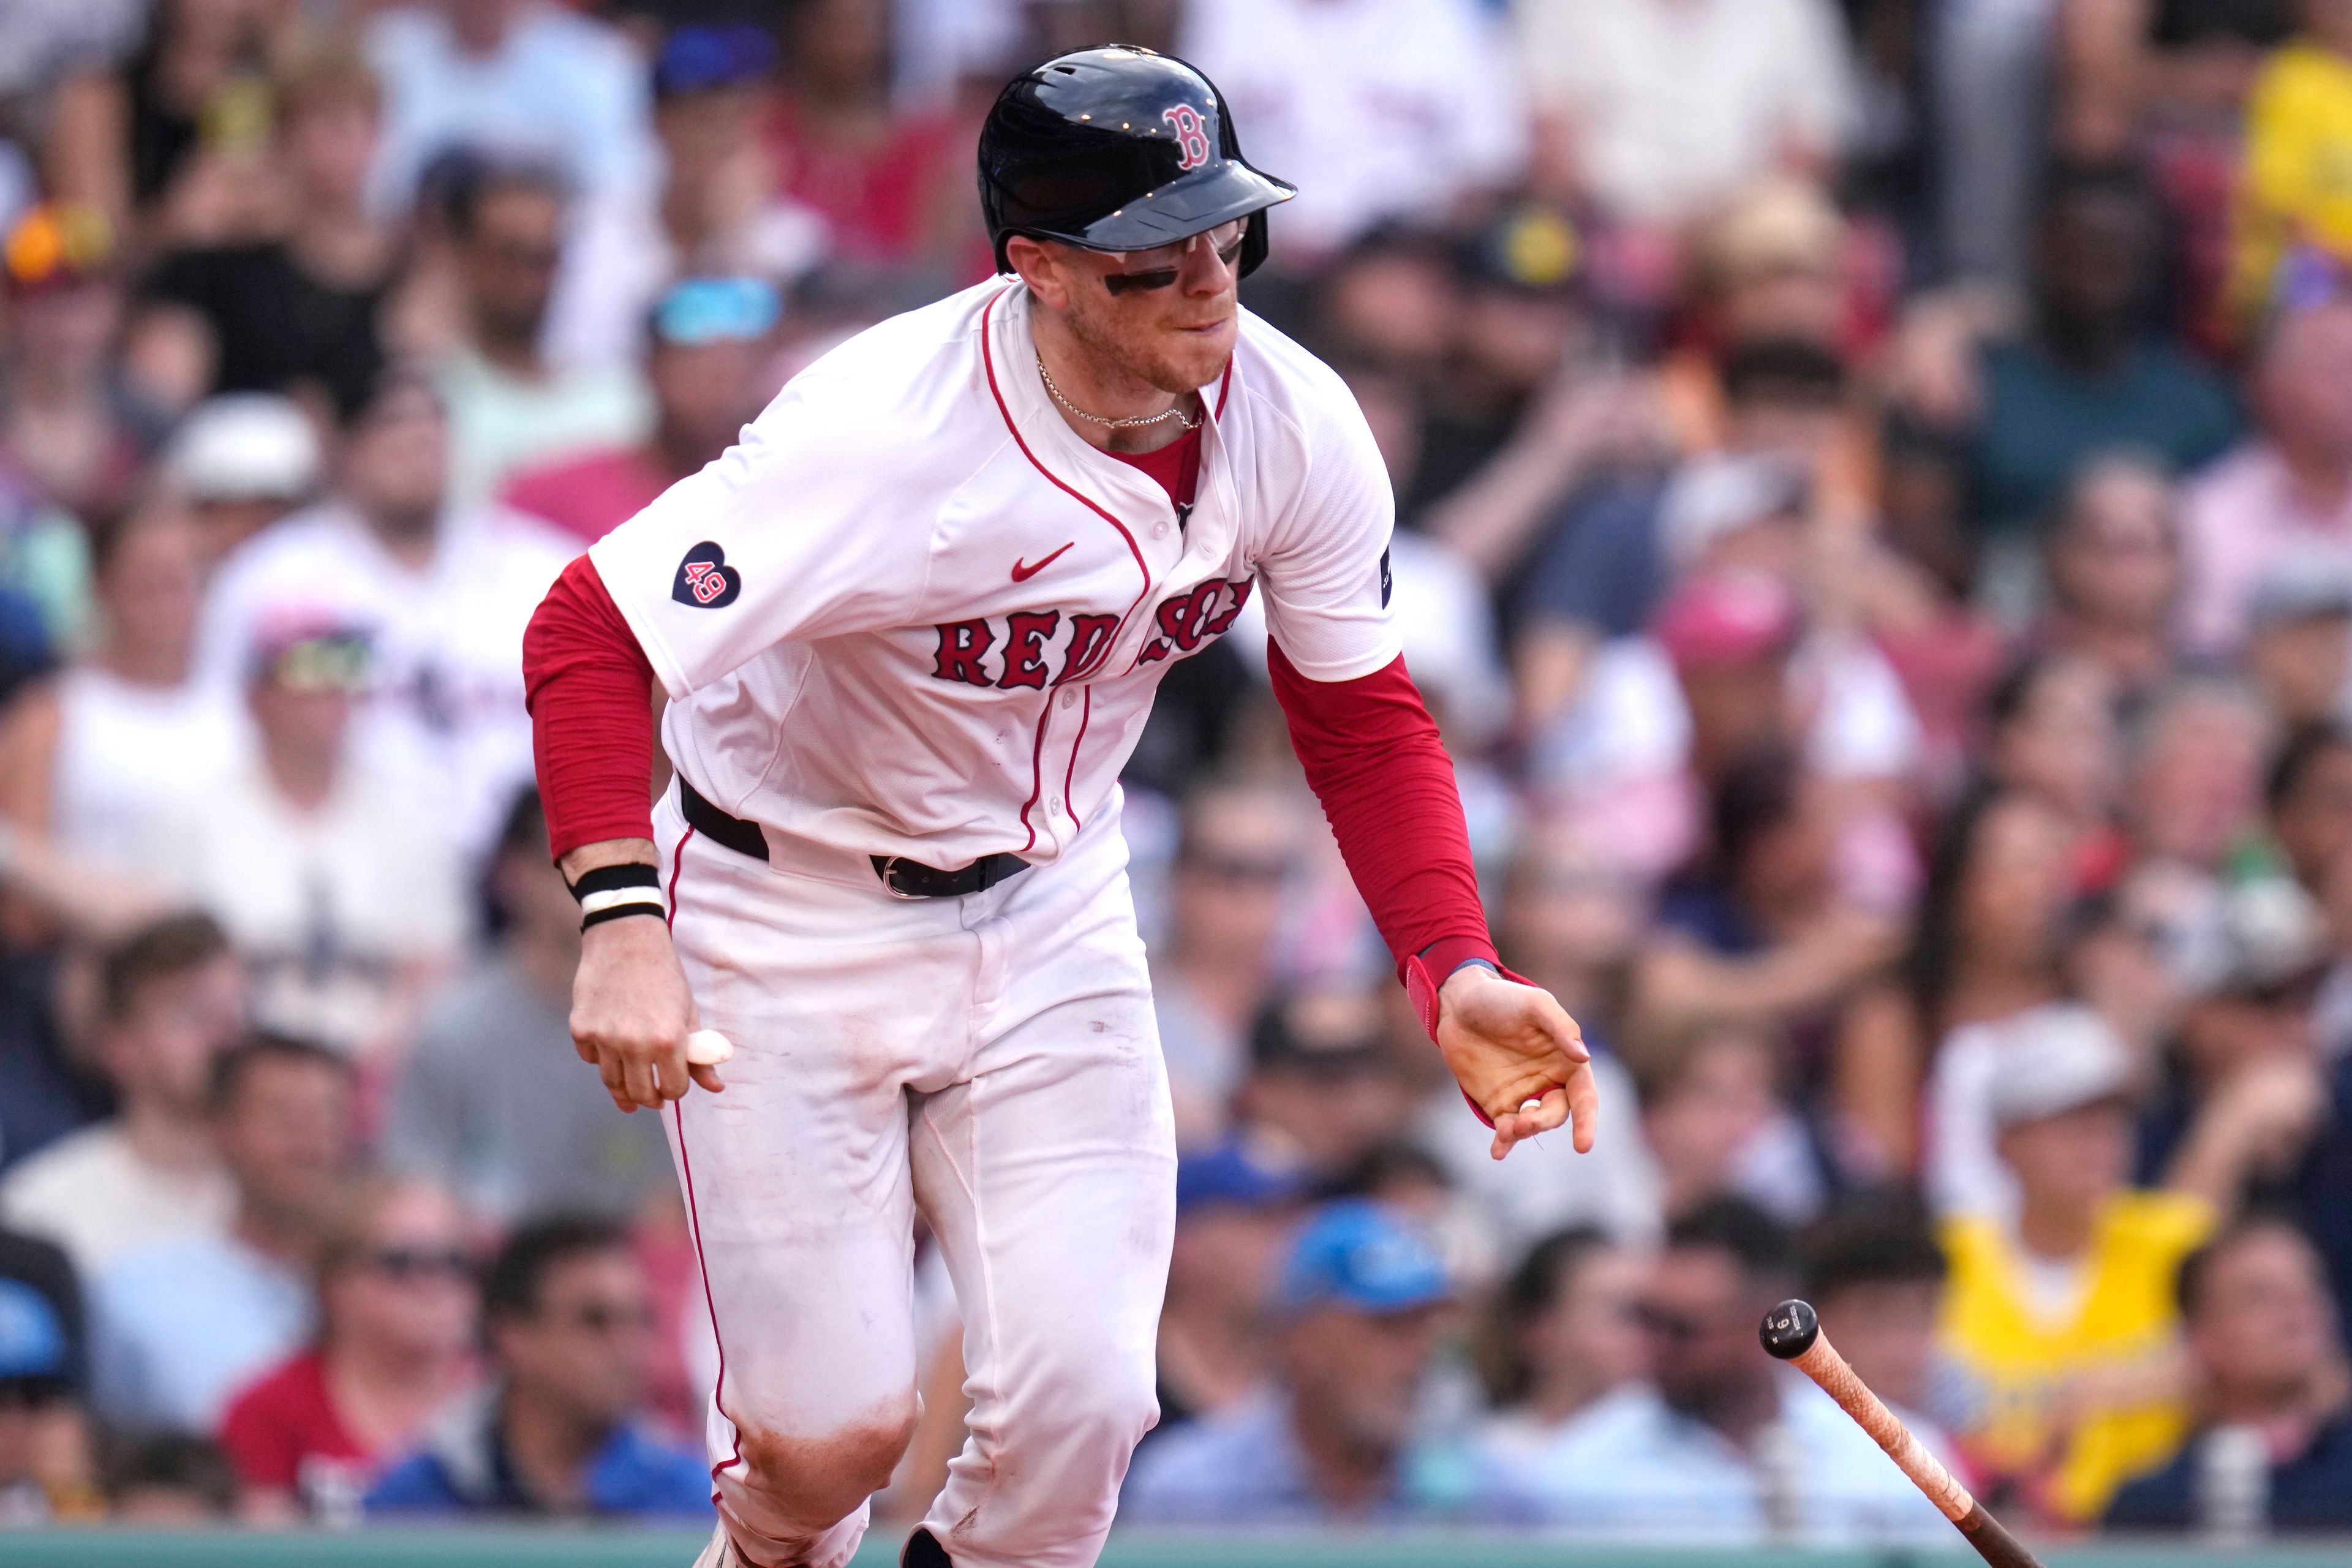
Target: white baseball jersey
x=913, y=612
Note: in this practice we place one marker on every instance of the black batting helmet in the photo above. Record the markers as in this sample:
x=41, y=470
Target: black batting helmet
x=1118, y=148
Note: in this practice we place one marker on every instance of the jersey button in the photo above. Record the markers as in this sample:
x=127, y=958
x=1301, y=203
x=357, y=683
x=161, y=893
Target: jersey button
x=1055, y=805
x=1158, y=531
x=1068, y=698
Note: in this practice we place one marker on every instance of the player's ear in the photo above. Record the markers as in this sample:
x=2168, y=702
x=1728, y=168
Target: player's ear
x=1040, y=268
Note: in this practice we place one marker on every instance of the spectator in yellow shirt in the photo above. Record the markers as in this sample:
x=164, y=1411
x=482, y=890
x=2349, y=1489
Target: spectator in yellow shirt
x=2297, y=192
x=2059, y=1318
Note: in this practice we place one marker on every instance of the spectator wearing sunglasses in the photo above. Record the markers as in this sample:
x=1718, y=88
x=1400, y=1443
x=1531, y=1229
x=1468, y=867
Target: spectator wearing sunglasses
x=46, y=1469
x=707, y=360
x=343, y=897
x=1722, y=1444
x=397, y=1300
x=512, y=405
x=570, y=1320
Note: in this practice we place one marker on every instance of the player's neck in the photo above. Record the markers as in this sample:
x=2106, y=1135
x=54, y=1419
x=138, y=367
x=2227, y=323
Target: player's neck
x=1099, y=385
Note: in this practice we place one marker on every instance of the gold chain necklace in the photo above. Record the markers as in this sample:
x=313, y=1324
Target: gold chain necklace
x=1127, y=424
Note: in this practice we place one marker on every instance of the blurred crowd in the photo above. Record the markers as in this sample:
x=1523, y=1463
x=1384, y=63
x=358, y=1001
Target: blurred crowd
x=1875, y=496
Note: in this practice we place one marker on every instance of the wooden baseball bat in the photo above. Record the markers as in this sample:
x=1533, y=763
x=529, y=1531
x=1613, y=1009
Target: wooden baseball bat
x=1792, y=1332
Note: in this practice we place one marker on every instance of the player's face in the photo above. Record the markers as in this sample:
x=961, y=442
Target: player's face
x=1167, y=316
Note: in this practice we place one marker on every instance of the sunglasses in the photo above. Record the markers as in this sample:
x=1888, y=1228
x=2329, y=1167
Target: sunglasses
x=1674, y=1326
x=604, y=1318
x=36, y=1393
x=1225, y=239
x=407, y=1264
x=322, y=664
x=716, y=309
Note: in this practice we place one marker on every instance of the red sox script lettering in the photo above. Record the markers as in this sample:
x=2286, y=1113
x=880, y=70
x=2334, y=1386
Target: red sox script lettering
x=1024, y=655
x=1190, y=619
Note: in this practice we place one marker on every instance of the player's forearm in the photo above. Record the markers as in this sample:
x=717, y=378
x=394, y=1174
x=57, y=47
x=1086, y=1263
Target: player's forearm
x=591, y=728
x=1373, y=755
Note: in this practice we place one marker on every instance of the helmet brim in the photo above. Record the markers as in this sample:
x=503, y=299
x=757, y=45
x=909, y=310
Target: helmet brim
x=1183, y=208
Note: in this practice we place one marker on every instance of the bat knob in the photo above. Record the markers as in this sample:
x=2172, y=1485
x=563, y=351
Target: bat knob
x=1790, y=1330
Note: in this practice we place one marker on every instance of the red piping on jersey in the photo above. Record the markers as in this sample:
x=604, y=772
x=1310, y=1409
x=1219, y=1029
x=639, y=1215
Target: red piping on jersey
x=1038, y=749
x=1085, y=712
x=694, y=1214
x=1036, y=771
x=988, y=362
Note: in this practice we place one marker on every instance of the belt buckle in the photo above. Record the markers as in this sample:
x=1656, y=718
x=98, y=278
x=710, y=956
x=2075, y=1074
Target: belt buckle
x=889, y=865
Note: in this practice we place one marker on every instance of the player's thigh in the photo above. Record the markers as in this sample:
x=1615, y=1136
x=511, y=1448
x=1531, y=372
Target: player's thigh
x=802, y=1222
x=796, y=1177
x=1049, y=1179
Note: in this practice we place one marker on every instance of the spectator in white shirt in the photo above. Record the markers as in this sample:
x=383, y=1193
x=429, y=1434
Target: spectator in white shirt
x=97, y=758
x=1374, y=109
x=172, y=999
x=345, y=900
x=517, y=76
x=440, y=593
x=1661, y=109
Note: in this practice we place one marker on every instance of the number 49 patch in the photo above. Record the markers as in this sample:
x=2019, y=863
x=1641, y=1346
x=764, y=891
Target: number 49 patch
x=705, y=581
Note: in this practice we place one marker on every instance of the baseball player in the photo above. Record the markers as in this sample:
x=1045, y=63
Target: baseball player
x=909, y=628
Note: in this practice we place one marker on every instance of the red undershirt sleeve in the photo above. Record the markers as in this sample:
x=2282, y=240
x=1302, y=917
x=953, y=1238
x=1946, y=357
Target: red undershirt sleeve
x=589, y=688
x=1373, y=758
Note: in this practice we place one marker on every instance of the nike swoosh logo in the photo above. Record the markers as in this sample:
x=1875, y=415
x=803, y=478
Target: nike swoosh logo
x=1021, y=572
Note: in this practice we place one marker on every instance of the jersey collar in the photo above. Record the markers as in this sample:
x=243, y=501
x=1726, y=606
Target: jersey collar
x=1020, y=391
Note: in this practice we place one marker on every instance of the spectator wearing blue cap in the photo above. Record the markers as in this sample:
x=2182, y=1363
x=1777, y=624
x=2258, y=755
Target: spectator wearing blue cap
x=716, y=212
x=720, y=208
x=707, y=360
x=46, y=1469
x=1335, y=1436
x=1235, y=1206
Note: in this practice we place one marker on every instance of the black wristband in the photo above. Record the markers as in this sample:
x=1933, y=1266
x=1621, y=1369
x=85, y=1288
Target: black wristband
x=606, y=879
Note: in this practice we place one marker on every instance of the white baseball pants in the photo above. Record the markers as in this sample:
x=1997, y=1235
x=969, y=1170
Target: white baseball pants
x=990, y=1059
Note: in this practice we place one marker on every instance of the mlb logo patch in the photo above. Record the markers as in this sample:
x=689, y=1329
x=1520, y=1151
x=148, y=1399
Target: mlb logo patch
x=705, y=581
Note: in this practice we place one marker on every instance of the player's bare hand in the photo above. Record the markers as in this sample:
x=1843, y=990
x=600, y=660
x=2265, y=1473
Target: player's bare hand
x=1519, y=1056
x=631, y=1013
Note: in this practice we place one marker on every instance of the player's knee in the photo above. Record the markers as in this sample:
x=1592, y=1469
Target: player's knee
x=818, y=1480
x=1102, y=1406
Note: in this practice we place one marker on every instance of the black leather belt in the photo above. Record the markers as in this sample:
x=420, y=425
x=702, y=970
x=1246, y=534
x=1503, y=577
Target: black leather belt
x=730, y=832
x=901, y=877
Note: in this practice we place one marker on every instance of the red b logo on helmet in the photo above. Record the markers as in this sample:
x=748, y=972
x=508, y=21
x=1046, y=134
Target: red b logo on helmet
x=1192, y=135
